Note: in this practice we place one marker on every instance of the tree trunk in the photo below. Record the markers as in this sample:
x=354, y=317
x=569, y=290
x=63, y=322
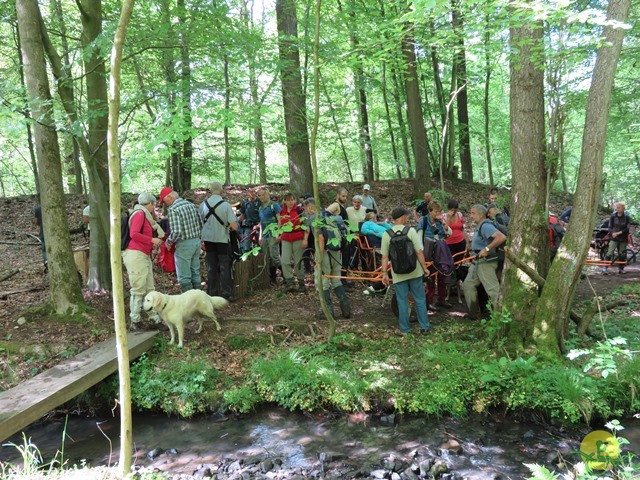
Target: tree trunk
x=528, y=230
x=461, y=101
x=95, y=77
x=258, y=135
x=397, y=97
x=337, y=127
x=32, y=151
x=76, y=167
x=122, y=347
x=557, y=295
x=416, y=121
x=64, y=290
x=225, y=131
x=387, y=111
x=186, y=164
x=293, y=100
x=485, y=104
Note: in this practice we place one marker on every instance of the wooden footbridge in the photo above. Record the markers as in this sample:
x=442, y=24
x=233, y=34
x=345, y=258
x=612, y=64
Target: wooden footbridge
x=27, y=402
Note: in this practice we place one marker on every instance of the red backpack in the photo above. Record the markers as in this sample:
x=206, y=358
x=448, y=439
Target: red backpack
x=165, y=258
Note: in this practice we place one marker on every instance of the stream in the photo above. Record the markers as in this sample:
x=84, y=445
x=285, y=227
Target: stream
x=276, y=443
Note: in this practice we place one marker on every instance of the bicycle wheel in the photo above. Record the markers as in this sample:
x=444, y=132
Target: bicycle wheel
x=631, y=256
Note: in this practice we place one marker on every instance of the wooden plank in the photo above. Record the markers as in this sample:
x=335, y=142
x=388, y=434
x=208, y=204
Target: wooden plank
x=27, y=402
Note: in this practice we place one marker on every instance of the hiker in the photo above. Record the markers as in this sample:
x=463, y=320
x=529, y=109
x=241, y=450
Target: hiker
x=405, y=280
x=290, y=221
x=486, y=239
x=145, y=235
x=566, y=215
x=422, y=208
x=457, y=241
x=368, y=202
x=619, y=223
x=374, y=229
x=356, y=213
x=339, y=207
x=249, y=217
x=434, y=227
x=268, y=212
x=218, y=220
x=186, y=225
x=498, y=215
x=328, y=233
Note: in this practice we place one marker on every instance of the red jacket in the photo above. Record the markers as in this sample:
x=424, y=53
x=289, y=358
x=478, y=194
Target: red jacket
x=292, y=217
x=141, y=233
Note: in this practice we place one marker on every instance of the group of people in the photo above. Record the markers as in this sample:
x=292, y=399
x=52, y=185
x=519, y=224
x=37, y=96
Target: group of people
x=284, y=230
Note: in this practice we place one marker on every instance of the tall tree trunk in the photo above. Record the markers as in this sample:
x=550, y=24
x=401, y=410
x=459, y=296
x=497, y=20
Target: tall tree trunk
x=64, y=290
x=557, y=295
x=173, y=170
x=461, y=101
x=397, y=98
x=95, y=75
x=528, y=230
x=76, y=167
x=126, y=428
x=416, y=120
x=293, y=100
x=485, y=104
x=227, y=105
x=361, y=97
x=32, y=151
x=387, y=110
x=186, y=165
x=337, y=127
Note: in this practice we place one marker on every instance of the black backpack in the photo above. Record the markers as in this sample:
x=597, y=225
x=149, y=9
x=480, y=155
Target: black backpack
x=125, y=230
x=401, y=251
x=235, y=253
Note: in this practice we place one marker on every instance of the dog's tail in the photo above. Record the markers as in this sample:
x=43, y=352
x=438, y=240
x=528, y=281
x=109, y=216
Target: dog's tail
x=218, y=302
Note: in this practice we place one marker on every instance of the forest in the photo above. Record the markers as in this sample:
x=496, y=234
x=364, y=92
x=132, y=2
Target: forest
x=535, y=97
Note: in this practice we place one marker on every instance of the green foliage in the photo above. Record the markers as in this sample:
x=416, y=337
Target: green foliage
x=605, y=357
x=496, y=326
x=179, y=387
x=296, y=380
x=243, y=399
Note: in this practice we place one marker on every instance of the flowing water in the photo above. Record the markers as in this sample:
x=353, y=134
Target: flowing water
x=489, y=449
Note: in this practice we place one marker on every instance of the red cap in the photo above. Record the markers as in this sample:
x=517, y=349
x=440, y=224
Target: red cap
x=164, y=192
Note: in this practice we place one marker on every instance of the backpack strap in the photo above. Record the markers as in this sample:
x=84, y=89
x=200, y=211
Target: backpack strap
x=212, y=211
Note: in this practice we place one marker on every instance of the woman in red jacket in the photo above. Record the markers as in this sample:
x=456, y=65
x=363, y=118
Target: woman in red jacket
x=291, y=238
x=137, y=256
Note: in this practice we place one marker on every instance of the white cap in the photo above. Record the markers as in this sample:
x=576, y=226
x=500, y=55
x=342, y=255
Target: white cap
x=366, y=187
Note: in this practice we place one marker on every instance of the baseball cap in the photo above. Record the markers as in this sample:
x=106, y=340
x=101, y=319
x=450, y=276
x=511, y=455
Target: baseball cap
x=164, y=192
x=366, y=187
x=399, y=212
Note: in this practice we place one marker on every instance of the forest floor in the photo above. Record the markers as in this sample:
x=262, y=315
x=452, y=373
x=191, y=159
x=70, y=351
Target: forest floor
x=32, y=341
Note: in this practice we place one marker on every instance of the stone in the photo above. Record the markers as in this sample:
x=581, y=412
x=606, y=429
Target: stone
x=425, y=466
x=21, y=321
x=380, y=473
x=438, y=468
x=155, y=453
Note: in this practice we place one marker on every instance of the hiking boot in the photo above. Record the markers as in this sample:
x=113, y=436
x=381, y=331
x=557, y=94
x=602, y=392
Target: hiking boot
x=345, y=306
x=444, y=303
x=432, y=308
x=289, y=286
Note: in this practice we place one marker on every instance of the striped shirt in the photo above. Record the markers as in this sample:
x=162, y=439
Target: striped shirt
x=184, y=220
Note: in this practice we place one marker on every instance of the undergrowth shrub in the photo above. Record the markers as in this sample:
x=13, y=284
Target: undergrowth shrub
x=183, y=388
x=298, y=381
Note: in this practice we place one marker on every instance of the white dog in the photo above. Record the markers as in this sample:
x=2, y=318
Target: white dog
x=175, y=310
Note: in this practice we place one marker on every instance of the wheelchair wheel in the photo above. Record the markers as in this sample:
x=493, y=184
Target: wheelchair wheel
x=412, y=311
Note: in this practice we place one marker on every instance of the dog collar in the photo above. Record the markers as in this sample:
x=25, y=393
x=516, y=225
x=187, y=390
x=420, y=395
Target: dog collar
x=164, y=306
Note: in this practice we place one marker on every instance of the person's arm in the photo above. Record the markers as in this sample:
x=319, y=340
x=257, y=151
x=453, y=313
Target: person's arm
x=334, y=208
x=497, y=239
